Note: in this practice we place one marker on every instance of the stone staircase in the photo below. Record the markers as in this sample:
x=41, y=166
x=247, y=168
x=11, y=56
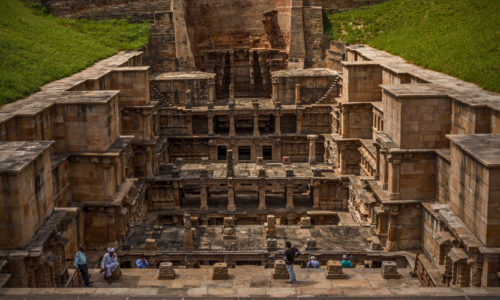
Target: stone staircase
x=3, y=277
x=331, y=93
x=158, y=95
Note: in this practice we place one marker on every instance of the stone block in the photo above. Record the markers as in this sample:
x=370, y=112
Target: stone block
x=334, y=270
x=220, y=272
x=389, y=270
x=287, y=160
x=271, y=244
x=280, y=271
x=150, y=245
x=166, y=271
x=305, y=222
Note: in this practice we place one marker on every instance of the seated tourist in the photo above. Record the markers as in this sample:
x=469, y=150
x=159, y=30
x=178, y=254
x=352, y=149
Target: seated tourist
x=142, y=262
x=109, y=264
x=313, y=263
x=346, y=263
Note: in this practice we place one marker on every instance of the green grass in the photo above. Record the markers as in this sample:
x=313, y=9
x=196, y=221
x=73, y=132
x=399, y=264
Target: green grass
x=36, y=48
x=456, y=37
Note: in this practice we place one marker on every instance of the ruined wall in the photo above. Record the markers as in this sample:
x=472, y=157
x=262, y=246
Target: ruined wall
x=133, y=10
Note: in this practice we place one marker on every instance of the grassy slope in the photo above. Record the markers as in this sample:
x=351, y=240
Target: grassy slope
x=457, y=37
x=36, y=48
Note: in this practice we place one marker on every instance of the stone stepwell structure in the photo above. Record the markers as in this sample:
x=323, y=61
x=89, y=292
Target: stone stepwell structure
x=218, y=143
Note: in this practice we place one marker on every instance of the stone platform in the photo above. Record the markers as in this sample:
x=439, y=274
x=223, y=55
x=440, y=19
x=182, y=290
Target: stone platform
x=248, y=281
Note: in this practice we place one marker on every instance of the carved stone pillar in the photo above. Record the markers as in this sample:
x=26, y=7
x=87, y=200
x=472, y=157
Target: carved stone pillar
x=189, y=123
x=177, y=195
x=392, y=238
x=312, y=148
x=256, y=132
x=211, y=93
x=448, y=270
x=203, y=197
x=299, y=121
x=395, y=168
x=230, y=196
x=275, y=89
x=210, y=118
x=385, y=184
x=298, y=100
x=377, y=166
x=277, y=122
x=344, y=122
x=476, y=272
x=463, y=274
x=316, y=193
x=289, y=196
x=262, y=194
x=232, y=131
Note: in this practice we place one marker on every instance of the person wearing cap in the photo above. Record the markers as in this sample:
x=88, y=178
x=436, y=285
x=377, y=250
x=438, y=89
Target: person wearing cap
x=346, y=263
x=313, y=263
x=142, y=262
x=109, y=264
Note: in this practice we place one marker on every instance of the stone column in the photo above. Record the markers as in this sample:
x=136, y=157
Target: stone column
x=231, y=94
x=275, y=89
x=289, y=196
x=262, y=194
x=256, y=132
x=344, y=122
x=189, y=99
x=392, y=239
x=395, y=171
x=232, y=131
x=211, y=93
x=377, y=166
x=312, y=148
x=189, y=123
x=316, y=193
x=277, y=122
x=203, y=196
x=463, y=274
x=448, y=270
x=230, y=196
x=298, y=100
x=476, y=272
x=210, y=118
x=385, y=184
x=299, y=121
x=177, y=195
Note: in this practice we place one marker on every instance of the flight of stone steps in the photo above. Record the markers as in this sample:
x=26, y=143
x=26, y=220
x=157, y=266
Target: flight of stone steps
x=157, y=94
x=3, y=277
x=330, y=94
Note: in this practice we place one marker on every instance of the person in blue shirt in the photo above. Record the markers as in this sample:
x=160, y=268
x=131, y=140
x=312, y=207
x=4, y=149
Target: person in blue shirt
x=80, y=263
x=313, y=263
x=142, y=263
x=346, y=263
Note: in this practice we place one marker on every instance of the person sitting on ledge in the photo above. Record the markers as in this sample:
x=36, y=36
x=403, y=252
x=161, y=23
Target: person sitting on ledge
x=346, y=263
x=109, y=264
x=142, y=262
x=313, y=263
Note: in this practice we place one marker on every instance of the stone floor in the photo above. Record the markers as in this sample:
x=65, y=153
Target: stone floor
x=252, y=282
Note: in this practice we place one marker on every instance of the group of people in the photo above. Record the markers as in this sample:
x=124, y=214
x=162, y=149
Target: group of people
x=291, y=253
x=109, y=264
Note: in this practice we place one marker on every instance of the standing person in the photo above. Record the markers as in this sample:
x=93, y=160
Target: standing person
x=109, y=264
x=346, y=263
x=142, y=262
x=80, y=263
x=313, y=263
x=290, y=254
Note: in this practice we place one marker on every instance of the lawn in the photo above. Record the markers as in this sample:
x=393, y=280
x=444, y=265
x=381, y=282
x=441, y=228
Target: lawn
x=36, y=48
x=456, y=37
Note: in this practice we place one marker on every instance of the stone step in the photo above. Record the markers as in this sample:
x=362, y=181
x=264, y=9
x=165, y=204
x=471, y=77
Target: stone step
x=3, y=279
